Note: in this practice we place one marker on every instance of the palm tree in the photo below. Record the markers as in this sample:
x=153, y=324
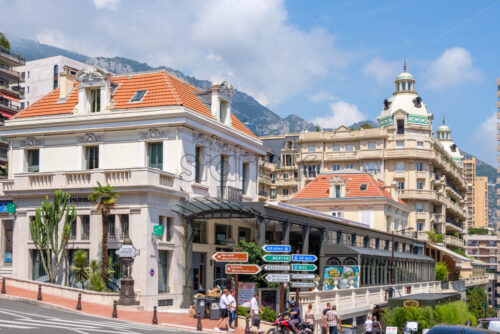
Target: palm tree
x=80, y=267
x=105, y=198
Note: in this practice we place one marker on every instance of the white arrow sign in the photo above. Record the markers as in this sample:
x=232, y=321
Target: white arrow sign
x=276, y=267
x=303, y=285
x=277, y=278
x=303, y=276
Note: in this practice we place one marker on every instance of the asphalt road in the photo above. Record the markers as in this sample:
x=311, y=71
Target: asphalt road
x=21, y=317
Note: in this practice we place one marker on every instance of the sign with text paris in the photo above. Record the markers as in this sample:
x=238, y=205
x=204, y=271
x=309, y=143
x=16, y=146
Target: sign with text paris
x=304, y=258
x=277, y=248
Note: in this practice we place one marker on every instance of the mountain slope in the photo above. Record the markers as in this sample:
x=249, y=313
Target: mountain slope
x=257, y=117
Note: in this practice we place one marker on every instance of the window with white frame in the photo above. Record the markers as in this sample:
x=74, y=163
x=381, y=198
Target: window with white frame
x=420, y=144
x=33, y=160
x=420, y=185
x=199, y=162
x=349, y=166
x=419, y=207
x=372, y=145
x=311, y=148
x=155, y=155
x=400, y=165
x=401, y=185
x=336, y=148
x=349, y=147
x=91, y=157
x=420, y=166
x=95, y=100
x=245, y=173
x=336, y=167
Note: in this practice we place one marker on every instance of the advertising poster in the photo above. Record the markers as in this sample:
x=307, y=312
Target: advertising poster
x=341, y=277
x=245, y=292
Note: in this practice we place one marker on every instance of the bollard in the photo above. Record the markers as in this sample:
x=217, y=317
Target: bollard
x=115, y=312
x=198, y=325
x=247, y=326
x=155, y=316
x=79, y=304
x=39, y=297
x=3, y=286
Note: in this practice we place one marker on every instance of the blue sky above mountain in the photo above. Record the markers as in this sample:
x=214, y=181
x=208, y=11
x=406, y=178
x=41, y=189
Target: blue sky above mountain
x=331, y=62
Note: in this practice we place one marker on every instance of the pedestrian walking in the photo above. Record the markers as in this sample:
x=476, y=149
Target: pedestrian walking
x=333, y=320
x=309, y=316
x=324, y=324
x=377, y=328
x=231, y=301
x=224, y=313
x=255, y=312
x=368, y=325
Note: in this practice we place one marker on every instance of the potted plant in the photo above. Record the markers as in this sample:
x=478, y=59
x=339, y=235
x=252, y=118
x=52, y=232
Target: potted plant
x=349, y=276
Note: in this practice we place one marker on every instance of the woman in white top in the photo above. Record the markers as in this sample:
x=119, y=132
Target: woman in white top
x=369, y=325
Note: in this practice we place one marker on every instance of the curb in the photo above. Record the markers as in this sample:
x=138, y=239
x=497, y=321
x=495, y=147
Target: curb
x=66, y=309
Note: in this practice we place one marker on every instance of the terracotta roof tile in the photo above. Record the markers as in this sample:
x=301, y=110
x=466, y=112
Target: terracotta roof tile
x=320, y=187
x=162, y=89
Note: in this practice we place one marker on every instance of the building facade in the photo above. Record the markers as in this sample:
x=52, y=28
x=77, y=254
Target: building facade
x=158, y=141
x=41, y=76
x=402, y=152
x=477, y=195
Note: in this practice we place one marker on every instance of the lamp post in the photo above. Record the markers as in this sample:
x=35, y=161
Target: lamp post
x=392, y=257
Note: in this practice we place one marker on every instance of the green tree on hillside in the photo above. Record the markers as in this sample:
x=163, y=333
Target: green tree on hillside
x=4, y=42
x=476, y=298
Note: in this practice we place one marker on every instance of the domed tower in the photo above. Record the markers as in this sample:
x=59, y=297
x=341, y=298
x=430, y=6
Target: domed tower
x=443, y=134
x=405, y=108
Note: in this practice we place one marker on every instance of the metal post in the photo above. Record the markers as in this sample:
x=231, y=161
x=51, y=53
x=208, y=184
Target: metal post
x=236, y=297
x=282, y=297
x=155, y=316
x=247, y=326
x=3, y=286
x=79, y=303
x=39, y=297
x=115, y=311
x=187, y=297
x=198, y=324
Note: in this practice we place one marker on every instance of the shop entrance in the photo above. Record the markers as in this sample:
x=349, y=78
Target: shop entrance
x=199, y=271
x=8, y=227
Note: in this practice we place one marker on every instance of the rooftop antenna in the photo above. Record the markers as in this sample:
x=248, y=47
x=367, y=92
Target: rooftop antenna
x=404, y=66
x=443, y=120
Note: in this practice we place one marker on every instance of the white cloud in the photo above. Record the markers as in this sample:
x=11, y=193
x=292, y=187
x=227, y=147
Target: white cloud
x=485, y=136
x=250, y=43
x=343, y=113
x=452, y=68
x=322, y=96
x=110, y=4
x=381, y=70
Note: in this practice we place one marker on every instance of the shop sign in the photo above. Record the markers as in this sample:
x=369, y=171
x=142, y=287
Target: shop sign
x=127, y=251
x=391, y=330
x=410, y=303
x=7, y=207
x=245, y=292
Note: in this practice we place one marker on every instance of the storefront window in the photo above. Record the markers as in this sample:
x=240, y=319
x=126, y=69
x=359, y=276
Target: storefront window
x=222, y=234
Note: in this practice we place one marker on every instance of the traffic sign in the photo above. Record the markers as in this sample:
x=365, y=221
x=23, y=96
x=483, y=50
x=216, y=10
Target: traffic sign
x=158, y=230
x=230, y=257
x=276, y=258
x=304, y=267
x=277, y=248
x=242, y=269
x=276, y=267
x=304, y=258
x=303, y=285
x=127, y=251
x=303, y=276
x=277, y=278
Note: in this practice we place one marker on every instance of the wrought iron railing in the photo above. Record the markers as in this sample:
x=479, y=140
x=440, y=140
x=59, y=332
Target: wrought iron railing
x=230, y=193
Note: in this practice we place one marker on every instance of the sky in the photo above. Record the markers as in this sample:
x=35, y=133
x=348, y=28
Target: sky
x=330, y=62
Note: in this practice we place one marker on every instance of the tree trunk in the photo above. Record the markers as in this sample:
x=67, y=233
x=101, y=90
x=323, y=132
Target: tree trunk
x=104, y=272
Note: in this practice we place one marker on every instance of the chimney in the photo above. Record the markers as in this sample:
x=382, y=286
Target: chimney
x=66, y=80
x=394, y=190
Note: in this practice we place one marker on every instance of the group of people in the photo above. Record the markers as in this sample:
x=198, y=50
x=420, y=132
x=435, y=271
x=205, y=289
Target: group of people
x=229, y=311
x=373, y=326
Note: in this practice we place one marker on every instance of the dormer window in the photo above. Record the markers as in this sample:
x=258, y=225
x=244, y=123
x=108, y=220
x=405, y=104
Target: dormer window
x=363, y=186
x=138, y=96
x=95, y=100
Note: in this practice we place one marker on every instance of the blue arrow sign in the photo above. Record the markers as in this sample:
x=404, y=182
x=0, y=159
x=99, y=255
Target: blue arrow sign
x=277, y=248
x=304, y=258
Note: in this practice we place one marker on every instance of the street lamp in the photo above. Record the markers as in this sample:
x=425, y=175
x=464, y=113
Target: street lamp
x=392, y=260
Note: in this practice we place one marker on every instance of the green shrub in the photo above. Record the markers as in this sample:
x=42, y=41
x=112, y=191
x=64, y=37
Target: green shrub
x=435, y=237
x=96, y=283
x=267, y=315
x=478, y=230
x=244, y=311
x=459, y=251
x=441, y=271
x=476, y=298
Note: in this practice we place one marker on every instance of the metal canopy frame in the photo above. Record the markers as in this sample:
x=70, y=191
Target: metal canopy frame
x=213, y=208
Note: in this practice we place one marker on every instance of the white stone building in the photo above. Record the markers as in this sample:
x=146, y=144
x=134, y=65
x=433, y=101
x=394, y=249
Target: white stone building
x=41, y=76
x=154, y=138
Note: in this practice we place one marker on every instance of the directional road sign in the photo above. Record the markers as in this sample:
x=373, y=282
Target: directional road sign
x=303, y=276
x=276, y=258
x=276, y=267
x=277, y=248
x=304, y=258
x=230, y=257
x=277, y=278
x=303, y=285
x=127, y=251
x=304, y=267
x=242, y=269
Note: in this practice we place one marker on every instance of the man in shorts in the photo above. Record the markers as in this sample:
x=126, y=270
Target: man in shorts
x=224, y=312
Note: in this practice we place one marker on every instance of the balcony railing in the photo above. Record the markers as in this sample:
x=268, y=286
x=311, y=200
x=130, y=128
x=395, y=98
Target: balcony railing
x=455, y=241
x=8, y=52
x=478, y=280
x=418, y=194
x=9, y=104
x=230, y=193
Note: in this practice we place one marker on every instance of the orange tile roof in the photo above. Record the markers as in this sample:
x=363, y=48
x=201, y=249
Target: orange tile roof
x=320, y=187
x=162, y=89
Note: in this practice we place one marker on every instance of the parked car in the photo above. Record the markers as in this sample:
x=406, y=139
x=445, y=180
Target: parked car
x=449, y=329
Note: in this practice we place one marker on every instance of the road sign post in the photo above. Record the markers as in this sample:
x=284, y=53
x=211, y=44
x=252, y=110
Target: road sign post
x=276, y=258
x=304, y=258
x=230, y=257
x=277, y=278
x=299, y=285
x=242, y=269
x=304, y=267
x=276, y=267
x=277, y=248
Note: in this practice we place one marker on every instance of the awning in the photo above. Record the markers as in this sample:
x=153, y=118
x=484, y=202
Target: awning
x=213, y=208
x=449, y=252
x=11, y=97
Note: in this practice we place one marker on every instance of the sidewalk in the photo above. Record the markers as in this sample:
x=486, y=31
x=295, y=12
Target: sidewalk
x=170, y=320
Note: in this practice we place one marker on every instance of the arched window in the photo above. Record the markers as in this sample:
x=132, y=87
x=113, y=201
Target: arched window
x=56, y=69
x=56, y=76
x=404, y=85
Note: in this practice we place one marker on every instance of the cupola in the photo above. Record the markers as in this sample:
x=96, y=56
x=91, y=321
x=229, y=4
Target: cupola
x=404, y=82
